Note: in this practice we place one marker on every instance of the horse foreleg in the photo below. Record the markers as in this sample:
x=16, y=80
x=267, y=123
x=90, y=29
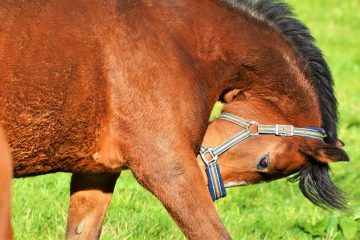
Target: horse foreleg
x=179, y=185
x=90, y=197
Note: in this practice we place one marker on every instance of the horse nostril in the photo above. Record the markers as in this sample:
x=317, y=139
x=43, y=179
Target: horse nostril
x=264, y=162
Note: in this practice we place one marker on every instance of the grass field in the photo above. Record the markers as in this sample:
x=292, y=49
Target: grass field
x=268, y=211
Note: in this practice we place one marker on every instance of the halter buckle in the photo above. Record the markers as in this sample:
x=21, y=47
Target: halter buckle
x=253, y=128
x=208, y=152
x=284, y=130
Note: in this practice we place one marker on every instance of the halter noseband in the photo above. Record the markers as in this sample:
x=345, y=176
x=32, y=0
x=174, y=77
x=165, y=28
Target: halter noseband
x=251, y=128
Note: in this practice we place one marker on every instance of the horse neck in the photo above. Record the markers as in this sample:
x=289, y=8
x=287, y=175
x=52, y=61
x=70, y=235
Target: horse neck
x=246, y=53
x=264, y=111
x=231, y=49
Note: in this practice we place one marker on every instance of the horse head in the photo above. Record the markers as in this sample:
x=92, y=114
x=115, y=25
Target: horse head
x=270, y=146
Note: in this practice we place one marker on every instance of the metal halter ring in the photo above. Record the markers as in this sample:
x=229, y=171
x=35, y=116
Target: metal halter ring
x=253, y=123
x=208, y=151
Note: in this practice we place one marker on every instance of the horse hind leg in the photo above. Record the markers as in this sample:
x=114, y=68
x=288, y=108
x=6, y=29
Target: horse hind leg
x=89, y=200
x=5, y=186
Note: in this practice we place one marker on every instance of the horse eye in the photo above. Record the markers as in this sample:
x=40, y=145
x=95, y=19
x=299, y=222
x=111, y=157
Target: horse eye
x=264, y=162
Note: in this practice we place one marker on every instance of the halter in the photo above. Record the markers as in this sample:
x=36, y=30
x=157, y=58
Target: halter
x=251, y=128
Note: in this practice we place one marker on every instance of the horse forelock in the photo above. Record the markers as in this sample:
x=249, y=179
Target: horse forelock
x=316, y=185
x=280, y=16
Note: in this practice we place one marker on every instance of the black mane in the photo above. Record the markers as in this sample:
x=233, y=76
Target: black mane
x=314, y=180
x=281, y=17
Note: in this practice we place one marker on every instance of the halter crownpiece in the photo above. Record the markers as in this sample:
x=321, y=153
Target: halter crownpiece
x=277, y=129
x=251, y=128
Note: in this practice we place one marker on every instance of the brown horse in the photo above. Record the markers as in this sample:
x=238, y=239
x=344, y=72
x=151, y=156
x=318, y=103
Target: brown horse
x=94, y=87
x=5, y=185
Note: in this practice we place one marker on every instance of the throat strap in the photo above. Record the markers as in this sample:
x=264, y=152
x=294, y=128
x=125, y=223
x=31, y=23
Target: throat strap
x=210, y=155
x=215, y=182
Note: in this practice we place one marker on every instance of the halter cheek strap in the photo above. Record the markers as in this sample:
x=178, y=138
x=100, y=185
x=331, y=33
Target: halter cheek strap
x=251, y=128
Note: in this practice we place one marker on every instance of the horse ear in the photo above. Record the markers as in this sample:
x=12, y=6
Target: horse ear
x=339, y=143
x=231, y=95
x=325, y=153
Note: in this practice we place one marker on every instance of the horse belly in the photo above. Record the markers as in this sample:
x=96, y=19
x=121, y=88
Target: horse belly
x=53, y=128
x=53, y=92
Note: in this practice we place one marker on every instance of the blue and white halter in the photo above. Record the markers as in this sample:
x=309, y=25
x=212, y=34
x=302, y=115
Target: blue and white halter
x=251, y=128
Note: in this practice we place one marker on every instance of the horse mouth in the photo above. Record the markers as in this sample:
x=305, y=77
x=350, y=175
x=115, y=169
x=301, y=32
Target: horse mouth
x=236, y=184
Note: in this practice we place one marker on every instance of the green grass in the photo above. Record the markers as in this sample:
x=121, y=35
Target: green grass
x=268, y=211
